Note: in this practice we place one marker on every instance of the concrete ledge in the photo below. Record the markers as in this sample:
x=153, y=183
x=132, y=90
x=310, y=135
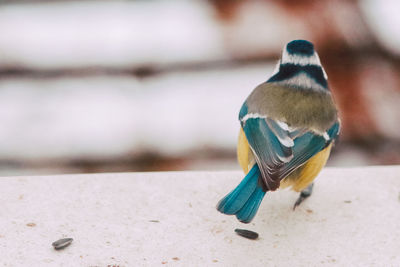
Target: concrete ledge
x=150, y=219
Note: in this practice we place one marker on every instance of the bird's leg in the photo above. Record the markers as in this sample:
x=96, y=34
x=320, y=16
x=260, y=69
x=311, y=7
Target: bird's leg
x=303, y=195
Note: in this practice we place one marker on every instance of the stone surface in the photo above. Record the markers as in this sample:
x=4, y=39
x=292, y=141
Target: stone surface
x=151, y=219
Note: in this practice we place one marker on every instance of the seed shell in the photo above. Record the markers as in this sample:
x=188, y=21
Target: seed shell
x=246, y=233
x=62, y=243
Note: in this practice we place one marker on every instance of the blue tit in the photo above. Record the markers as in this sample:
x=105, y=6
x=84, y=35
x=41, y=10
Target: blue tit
x=288, y=126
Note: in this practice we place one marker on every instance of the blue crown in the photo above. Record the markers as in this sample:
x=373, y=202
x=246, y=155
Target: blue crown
x=300, y=47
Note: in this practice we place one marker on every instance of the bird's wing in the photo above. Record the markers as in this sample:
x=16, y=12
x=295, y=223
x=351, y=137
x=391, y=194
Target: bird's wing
x=309, y=144
x=279, y=149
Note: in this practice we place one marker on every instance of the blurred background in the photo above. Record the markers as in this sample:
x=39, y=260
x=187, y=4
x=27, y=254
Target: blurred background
x=105, y=86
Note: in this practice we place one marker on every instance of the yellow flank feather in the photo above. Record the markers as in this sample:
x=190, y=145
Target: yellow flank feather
x=304, y=175
x=244, y=153
x=298, y=179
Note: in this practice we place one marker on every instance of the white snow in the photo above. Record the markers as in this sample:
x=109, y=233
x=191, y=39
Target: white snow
x=103, y=116
x=383, y=18
x=108, y=33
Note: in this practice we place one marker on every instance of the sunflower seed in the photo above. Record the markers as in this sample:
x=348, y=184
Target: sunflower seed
x=62, y=243
x=247, y=233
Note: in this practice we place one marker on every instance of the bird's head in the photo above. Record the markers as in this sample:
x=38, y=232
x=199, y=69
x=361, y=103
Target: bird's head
x=300, y=52
x=300, y=66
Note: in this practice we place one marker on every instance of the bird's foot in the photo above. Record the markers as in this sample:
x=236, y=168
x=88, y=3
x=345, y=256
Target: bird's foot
x=303, y=195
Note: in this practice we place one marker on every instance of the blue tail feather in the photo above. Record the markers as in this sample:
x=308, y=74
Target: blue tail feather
x=249, y=210
x=245, y=199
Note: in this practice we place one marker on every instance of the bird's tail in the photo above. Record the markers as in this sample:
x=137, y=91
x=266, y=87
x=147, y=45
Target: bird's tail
x=245, y=199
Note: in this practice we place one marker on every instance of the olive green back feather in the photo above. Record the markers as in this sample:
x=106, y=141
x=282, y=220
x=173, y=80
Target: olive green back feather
x=298, y=107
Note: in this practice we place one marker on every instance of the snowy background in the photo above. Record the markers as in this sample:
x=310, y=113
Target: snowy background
x=93, y=86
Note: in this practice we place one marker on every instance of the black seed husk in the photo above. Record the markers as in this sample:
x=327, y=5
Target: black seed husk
x=246, y=233
x=62, y=243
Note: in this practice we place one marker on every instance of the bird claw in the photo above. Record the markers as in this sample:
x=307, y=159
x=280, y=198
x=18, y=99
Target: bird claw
x=303, y=195
x=298, y=202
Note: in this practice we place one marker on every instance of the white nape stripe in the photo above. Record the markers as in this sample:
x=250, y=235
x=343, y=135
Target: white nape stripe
x=253, y=116
x=302, y=60
x=303, y=80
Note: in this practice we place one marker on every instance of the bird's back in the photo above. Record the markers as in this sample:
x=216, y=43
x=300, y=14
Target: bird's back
x=298, y=107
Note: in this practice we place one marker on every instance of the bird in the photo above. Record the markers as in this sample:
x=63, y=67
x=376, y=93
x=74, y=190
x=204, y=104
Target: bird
x=288, y=126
